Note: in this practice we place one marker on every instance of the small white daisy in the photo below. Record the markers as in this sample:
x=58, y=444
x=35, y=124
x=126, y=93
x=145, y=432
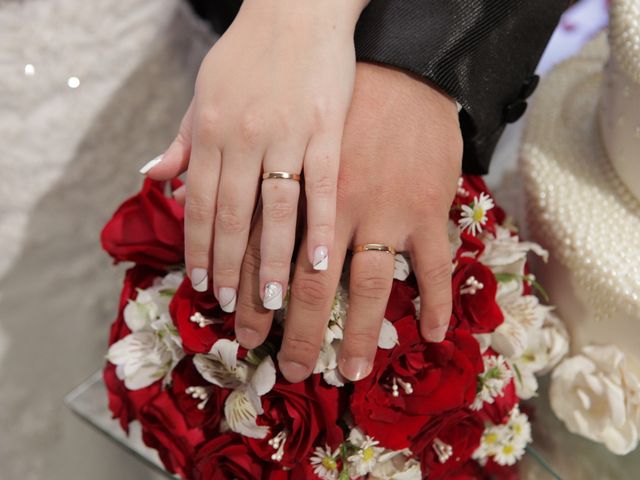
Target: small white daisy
x=492, y=381
x=475, y=216
x=365, y=459
x=325, y=463
x=508, y=454
x=520, y=427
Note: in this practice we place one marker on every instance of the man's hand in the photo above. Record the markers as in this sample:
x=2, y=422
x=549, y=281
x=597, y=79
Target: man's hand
x=401, y=157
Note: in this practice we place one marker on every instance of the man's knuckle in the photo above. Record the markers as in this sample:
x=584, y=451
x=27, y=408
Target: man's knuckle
x=362, y=338
x=310, y=292
x=370, y=286
x=228, y=220
x=437, y=274
x=301, y=349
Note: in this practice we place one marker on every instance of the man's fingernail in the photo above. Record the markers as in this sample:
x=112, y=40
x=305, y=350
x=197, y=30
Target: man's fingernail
x=227, y=298
x=321, y=258
x=150, y=164
x=272, y=296
x=355, y=368
x=437, y=334
x=294, y=371
x=248, y=337
x=199, y=279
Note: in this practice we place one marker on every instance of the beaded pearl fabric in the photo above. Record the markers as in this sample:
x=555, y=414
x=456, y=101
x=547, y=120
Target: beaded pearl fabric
x=578, y=207
x=619, y=109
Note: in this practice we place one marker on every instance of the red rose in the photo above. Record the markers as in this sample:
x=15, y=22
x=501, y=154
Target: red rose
x=147, y=228
x=307, y=411
x=498, y=411
x=462, y=433
x=125, y=404
x=165, y=429
x=185, y=376
x=138, y=277
x=476, y=310
x=442, y=379
x=226, y=456
x=197, y=339
x=471, y=246
x=401, y=301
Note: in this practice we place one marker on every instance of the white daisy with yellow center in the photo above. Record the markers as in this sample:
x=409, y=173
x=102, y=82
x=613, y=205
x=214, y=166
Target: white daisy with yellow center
x=325, y=463
x=474, y=216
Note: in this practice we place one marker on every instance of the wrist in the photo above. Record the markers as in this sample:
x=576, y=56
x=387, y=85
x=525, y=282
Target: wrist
x=328, y=16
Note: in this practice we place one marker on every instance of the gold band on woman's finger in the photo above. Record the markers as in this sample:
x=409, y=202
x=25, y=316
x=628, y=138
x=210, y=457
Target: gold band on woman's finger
x=281, y=176
x=374, y=247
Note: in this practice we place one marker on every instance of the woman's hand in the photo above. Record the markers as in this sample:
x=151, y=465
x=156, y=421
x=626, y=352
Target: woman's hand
x=271, y=95
x=401, y=159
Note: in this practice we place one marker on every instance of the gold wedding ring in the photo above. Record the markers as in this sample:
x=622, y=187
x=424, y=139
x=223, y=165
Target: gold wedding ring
x=281, y=176
x=374, y=247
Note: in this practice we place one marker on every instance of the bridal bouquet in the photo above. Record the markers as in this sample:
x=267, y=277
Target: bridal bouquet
x=214, y=410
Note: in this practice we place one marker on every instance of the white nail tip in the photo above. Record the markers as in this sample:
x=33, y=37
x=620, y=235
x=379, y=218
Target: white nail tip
x=272, y=296
x=150, y=164
x=321, y=258
x=199, y=279
x=227, y=299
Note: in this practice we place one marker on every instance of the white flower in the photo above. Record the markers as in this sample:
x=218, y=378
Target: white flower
x=337, y=316
x=474, y=216
x=153, y=348
x=325, y=463
x=495, y=377
x=544, y=348
x=523, y=315
x=388, y=337
x=597, y=395
x=484, y=340
x=396, y=465
x=555, y=339
x=221, y=367
x=327, y=364
x=505, y=254
x=505, y=443
x=401, y=267
x=454, y=237
x=366, y=457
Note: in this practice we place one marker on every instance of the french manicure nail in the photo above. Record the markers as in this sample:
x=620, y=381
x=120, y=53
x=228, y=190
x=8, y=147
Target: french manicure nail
x=150, y=164
x=355, y=368
x=227, y=297
x=272, y=296
x=321, y=258
x=437, y=334
x=199, y=279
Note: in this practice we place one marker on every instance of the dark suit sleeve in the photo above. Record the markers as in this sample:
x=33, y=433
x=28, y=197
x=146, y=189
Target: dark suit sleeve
x=483, y=53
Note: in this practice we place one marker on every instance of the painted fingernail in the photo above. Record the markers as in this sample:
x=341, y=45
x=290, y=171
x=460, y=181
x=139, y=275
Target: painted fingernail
x=321, y=258
x=355, y=368
x=227, y=298
x=199, y=279
x=437, y=334
x=294, y=371
x=272, y=296
x=150, y=164
x=248, y=337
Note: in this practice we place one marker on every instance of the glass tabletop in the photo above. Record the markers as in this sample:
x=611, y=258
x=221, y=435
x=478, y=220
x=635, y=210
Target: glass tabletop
x=555, y=453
